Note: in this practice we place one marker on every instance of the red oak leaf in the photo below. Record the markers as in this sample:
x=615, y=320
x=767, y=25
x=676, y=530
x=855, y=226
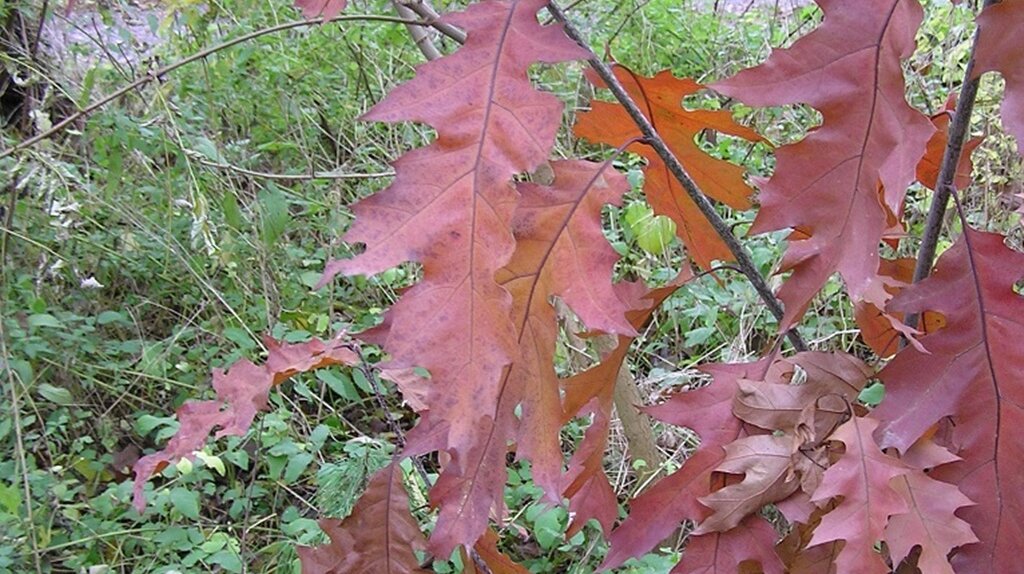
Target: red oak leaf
x=660, y=98
x=734, y=551
x=560, y=251
x=242, y=391
x=450, y=208
x=828, y=185
x=1000, y=45
x=931, y=522
x=315, y=8
x=659, y=510
x=592, y=392
x=862, y=476
x=378, y=536
x=972, y=374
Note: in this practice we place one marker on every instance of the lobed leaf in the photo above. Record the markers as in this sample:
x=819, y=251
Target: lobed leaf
x=661, y=100
x=379, y=536
x=841, y=186
x=862, y=477
x=451, y=208
x=242, y=391
x=969, y=377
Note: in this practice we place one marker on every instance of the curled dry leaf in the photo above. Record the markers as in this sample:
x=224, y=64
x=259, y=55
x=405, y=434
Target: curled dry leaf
x=832, y=382
x=242, y=391
x=765, y=461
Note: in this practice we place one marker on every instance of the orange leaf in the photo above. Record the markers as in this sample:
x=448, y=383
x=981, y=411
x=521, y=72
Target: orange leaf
x=661, y=100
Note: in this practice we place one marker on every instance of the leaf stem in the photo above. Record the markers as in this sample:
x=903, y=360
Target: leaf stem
x=651, y=137
x=945, y=185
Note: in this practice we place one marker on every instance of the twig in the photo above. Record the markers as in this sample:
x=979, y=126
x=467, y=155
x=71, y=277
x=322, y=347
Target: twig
x=743, y=260
x=945, y=184
x=20, y=444
x=364, y=367
x=155, y=75
x=432, y=18
x=419, y=34
x=286, y=176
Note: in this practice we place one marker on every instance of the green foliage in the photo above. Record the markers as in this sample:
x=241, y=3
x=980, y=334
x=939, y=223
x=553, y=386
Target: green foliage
x=143, y=251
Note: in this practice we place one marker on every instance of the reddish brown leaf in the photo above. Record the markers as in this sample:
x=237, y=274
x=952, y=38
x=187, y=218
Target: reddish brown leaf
x=315, y=8
x=833, y=381
x=765, y=463
x=709, y=410
x=928, y=167
x=662, y=508
x=450, y=208
x=591, y=392
x=877, y=327
x=862, y=476
x=378, y=537
x=972, y=374
x=242, y=391
x=560, y=251
x=828, y=185
x=931, y=522
x=660, y=98
x=1000, y=45
x=750, y=543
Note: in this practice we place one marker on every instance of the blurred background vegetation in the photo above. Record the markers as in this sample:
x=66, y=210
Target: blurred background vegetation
x=162, y=235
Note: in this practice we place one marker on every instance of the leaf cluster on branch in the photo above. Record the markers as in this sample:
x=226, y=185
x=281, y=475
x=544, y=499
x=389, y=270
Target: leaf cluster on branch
x=930, y=480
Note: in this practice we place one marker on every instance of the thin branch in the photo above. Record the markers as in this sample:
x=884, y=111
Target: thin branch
x=432, y=18
x=743, y=260
x=420, y=35
x=157, y=74
x=946, y=182
x=287, y=176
